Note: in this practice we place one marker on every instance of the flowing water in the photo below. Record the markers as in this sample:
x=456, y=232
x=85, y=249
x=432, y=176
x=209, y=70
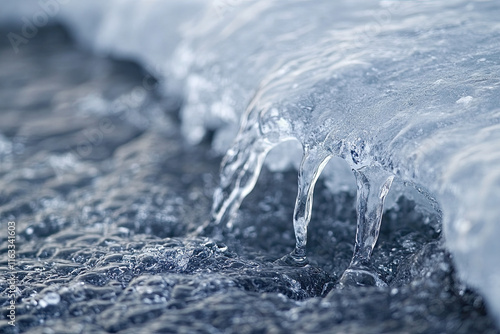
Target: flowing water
x=108, y=198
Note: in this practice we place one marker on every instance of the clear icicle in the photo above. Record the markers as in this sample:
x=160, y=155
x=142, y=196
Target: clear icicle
x=373, y=186
x=239, y=172
x=312, y=165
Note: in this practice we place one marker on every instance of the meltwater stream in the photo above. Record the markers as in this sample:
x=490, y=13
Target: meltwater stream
x=107, y=197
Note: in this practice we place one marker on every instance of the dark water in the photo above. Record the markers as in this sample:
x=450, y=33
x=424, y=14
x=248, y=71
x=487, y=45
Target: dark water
x=105, y=194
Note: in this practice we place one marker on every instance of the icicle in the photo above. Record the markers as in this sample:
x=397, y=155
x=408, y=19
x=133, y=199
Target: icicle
x=373, y=186
x=239, y=172
x=313, y=162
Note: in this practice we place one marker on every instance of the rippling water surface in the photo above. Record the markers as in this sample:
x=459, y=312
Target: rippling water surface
x=105, y=194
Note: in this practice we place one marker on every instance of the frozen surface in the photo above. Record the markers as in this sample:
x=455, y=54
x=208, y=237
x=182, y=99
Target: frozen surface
x=396, y=88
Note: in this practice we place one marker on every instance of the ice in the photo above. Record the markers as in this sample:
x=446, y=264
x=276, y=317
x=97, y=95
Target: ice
x=403, y=90
x=416, y=99
x=224, y=58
